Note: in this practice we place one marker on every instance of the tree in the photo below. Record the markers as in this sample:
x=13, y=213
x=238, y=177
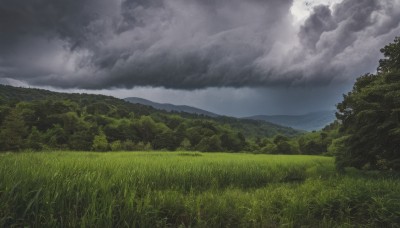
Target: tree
x=81, y=140
x=56, y=137
x=148, y=128
x=116, y=146
x=166, y=140
x=34, y=141
x=268, y=147
x=4, y=111
x=232, y=142
x=13, y=132
x=391, y=62
x=283, y=145
x=185, y=145
x=370, y=116
x=100, y=142
x=209, y=144
x=128, y=145
x=313, y=143
x=197, y=133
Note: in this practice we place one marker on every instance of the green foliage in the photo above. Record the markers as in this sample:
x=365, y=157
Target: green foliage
x=269, y=148
x=13, y=132
x=71, y=121
x=166, y=140
x=129, y=145
x=148, y=128
x=233, y=142
x=338, y=148
x=56, y=137
x=81, y=140
x=117, y=146
x=370, y=116
x=391, y=62
x=284, y=146
x=185, y=145
x=209, y=144
x=100, y=142
x=314, y=143
x=35, y=141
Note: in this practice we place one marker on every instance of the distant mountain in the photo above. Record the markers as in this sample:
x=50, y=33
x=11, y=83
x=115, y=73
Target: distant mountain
x=308, y=122
x=252, y=128
x=170, y=107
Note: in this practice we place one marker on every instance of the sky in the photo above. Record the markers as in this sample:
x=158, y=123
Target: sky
x=231, y=57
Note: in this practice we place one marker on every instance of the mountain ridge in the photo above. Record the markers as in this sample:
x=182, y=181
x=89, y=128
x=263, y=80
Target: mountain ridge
x=170, y=107
x=305, y=122
x=308, y=122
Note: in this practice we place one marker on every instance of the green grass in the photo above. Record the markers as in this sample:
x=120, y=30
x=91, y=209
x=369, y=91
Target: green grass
x=165, y=189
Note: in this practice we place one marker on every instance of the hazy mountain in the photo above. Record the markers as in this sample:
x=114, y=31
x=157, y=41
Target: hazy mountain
x=308, y=122
x=170, y=107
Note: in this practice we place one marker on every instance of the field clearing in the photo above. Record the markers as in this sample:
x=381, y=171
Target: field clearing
x=171, y=189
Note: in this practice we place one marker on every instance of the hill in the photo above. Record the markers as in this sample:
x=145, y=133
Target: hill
x=308, y=122
x=170, y=107
x=52, y=120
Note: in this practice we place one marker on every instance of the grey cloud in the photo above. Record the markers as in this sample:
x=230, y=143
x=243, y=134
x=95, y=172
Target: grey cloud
x=319, y=22
x=346, y=41
x=190, y=44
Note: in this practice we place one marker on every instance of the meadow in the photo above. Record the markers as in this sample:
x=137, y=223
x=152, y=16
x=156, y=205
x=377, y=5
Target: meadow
x=191, y=189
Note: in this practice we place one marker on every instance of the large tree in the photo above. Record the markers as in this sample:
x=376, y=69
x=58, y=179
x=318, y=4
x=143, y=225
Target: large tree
x=370, y=116
x=13, y=132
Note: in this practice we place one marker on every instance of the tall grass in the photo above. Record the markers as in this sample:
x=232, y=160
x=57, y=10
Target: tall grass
x=162, y=189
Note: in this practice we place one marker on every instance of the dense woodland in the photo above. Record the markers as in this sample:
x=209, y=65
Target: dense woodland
x=366, y=133
x=370, y=117
x=34, y=119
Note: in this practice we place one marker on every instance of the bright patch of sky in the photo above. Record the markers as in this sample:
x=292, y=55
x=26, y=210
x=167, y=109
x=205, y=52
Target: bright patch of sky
x=301, y=9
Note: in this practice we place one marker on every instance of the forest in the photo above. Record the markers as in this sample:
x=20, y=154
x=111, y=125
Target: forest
x=33, y=119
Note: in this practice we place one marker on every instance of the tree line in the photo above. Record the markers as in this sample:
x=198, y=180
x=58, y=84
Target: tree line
x=84, y=122
x=67, y=125
x=370, y=117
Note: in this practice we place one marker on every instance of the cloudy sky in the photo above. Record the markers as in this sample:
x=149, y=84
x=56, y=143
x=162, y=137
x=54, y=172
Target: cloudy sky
x=233, y=57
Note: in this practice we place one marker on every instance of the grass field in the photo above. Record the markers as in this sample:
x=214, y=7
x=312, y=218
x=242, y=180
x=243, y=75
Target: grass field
x=187, y=189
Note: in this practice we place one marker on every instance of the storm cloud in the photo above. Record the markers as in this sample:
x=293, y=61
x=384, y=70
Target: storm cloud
x=191, y=44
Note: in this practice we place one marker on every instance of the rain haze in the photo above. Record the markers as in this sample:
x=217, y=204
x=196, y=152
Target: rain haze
x=232, y=57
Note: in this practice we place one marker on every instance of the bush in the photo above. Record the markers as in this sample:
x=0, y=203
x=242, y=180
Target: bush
x=100, y=142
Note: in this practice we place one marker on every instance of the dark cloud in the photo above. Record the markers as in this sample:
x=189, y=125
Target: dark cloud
x=190, y=44
x=344, y=42
x=319, y=22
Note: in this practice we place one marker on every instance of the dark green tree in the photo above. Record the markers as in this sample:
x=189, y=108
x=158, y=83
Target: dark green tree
x=148, y=129
x=231, y=141
x=283, y=145
x=209, y=144
x=391, y=62
x=100, y=142
x=35, y=141
x=166, y=140
x=370, y=116
x=56, y=137
x=81, y=140
x=13, y=132
x=314, y=143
